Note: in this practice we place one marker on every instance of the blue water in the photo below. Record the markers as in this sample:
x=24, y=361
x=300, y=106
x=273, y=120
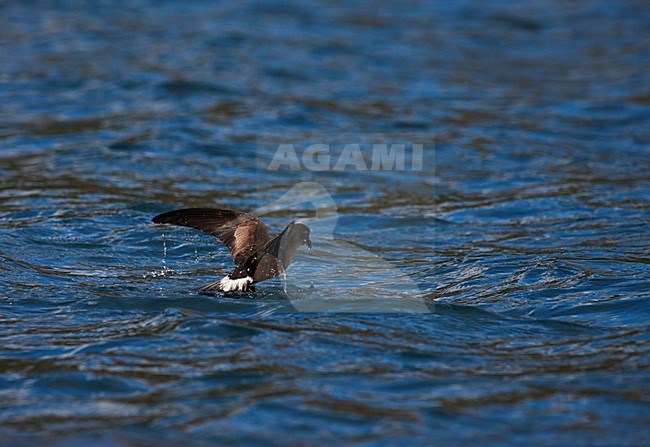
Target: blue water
x=498, y=296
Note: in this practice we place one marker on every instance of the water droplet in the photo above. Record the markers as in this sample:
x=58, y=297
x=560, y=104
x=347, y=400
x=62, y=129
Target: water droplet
x=164, y=259
x=284, y=281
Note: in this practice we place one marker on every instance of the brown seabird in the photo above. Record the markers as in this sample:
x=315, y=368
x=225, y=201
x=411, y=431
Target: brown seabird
x=257, y=256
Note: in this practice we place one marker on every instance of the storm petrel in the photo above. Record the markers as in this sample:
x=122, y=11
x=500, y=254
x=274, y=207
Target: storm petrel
x=257, y=256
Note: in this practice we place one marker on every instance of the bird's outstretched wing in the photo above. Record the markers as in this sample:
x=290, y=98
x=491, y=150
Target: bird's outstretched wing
x=242, y=233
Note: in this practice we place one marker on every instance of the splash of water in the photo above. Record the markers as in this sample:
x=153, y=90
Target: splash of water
x=164, y=259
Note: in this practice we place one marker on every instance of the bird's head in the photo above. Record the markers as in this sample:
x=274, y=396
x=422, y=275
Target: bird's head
x=295, y=235
x=302, y=232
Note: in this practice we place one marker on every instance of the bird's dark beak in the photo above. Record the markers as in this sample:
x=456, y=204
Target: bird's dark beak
x=308, y=243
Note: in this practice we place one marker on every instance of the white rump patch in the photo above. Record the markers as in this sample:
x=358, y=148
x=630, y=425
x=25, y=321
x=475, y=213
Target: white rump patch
x=231, y=285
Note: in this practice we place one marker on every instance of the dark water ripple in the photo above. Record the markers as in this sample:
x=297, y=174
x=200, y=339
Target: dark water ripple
x=501, y=296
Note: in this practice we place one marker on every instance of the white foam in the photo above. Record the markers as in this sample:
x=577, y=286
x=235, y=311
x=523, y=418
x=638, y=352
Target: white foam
x=230, y=285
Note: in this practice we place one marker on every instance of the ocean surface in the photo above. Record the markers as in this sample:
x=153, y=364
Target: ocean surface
x=496, y=294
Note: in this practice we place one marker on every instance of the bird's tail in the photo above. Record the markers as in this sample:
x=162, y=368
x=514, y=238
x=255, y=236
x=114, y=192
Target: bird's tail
x=227, y=284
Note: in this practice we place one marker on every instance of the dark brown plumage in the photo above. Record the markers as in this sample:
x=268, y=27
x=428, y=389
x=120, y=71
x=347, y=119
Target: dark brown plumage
x=257, y=256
